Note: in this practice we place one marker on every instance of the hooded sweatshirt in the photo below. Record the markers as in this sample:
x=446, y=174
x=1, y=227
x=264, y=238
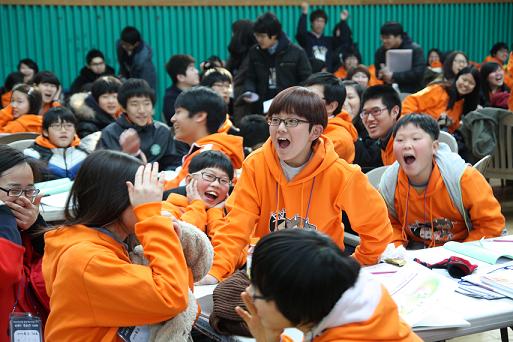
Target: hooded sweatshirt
x=264, y=200
x=6, y=98
x=342, y=134
x=91, y=118
x=387, y=149
x=95, y=289
x=24, y=123
x=86, y=77
x=230, y=145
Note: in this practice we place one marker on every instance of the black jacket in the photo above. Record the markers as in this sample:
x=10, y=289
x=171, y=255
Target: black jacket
x=409, y=81
x=86, y=78
x=91, y=118
x=138, y=64
x=169, y=103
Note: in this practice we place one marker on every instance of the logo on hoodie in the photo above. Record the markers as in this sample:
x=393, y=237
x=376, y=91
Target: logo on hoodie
x=155, y=149
x=279, y=221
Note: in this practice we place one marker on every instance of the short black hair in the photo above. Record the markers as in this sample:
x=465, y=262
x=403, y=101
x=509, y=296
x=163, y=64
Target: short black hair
x=391, y=28
x=47, y=77
x=352, y=52
x=359, y=68
x=498, y=46
x=105, y=85
x=334, y=90
x=423, y=121
x=214, y=75
x=214, y=159
x=317, y=64
x=318, y=13
x=253, y=129
x=135, y=87
x=57, y=114
x=34, y=97
x=281, y=270
x=386, y=93
x=203, y=99
x=11, y=80
x=30, y=63
x=268, y=23
x=93, y=53
x=177, y=65
x=130, y=35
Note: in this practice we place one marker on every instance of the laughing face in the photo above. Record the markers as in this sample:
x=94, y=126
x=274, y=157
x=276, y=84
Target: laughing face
x=48, y=91
x=414, y=150
x=139, y=110
x=465, y=84
x=212, y=185
x=378, y=120
x=496, y=78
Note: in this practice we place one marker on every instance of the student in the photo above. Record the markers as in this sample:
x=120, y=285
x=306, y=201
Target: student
x=50, y=88
x=394, y=37
x=380, y=110
x=22, y=114
x=134, y=57
x=58, y=145
x=340, y=129
x=432, y=195
x=95, y=68
x=353, y=102
x=114, y=198
x=98, y=109
x=184, y=75
x=359, y=74
x=349, y=59
x=435, y=58
x=199, y=113
x=135, y=132
x=28, y=68
x=275, y=63
x=494, y=93
x=21, y=247
x=297, y=180
x=284, y=292
x=11, y=80
x=498, y=54
x=315, y=43
x=453, y=64
x=447, y=103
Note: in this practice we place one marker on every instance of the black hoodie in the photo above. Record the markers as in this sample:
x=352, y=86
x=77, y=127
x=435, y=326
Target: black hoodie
x=86, y=77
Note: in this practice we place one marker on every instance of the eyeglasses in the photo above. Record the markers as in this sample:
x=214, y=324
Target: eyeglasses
x=97, y=64
x=287, y=122
x=29, y=193
x=222, y=85
x=209, y=177
x=375, y=112
x=254, y=296
x=65, y=125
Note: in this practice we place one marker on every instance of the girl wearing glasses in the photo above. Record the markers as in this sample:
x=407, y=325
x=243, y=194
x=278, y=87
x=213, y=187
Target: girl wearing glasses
x=22, y=114
x=21, y=247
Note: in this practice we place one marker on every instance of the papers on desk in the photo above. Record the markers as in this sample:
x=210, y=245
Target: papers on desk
x=52, y=207
x=56, y=186
x=490, y=251
x=496, y=283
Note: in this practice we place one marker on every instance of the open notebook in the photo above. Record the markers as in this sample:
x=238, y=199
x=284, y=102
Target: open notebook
x=491, y=251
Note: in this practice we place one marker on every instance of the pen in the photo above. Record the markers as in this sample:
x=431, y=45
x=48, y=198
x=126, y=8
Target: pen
x=499, y=240
x=385, y=272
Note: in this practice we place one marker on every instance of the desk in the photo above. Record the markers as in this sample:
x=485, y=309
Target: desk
x=52, y=207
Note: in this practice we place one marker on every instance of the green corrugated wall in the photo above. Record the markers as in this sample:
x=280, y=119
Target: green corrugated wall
x=58, y=37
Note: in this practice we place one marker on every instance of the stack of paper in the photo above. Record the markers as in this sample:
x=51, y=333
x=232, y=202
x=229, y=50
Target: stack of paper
x=500, y=280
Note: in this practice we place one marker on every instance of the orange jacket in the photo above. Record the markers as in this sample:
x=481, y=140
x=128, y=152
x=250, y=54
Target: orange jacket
x=6, y=99
x=231, y=145
x=490, y=59
x=342, y=134
x=341, y=73
x=94, y=286
x=225, y=127
x=433, y=101
x=387, y=154
x=508, y=74
x=263, y=201
x=432, y=210
x=47, y=106
x=374, y=80
x=510, y=101
x=24, y=123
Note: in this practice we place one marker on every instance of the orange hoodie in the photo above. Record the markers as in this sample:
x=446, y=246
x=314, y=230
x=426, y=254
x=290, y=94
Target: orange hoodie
x=6, y=99
x=263, y=200
x=490, y=59
x=45, y=142
x=432, y=211
x=230, y=145
x=94, y=288
x=433, y=101
x=341, y=73
x=387, y=154
x=47, y=106
x=225, y=127
x=342, y=134
x=508, y=74
x=24, y=123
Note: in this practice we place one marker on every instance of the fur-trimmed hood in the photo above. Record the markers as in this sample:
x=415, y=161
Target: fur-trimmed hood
x=80, y=108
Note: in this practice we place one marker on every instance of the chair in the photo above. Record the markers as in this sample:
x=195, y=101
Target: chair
x=449, y=140
x=501, y=165
x=482, y=164
x=9, y=138
x=20, y=145
x=374, y=175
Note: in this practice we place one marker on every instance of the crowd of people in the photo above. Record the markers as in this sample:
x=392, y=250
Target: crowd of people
x=269, y=146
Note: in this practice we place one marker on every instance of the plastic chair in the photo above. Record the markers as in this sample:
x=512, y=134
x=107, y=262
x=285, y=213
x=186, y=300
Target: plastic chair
x=9, y=138
x=374, y=175
x=482, y=164
x=20, y=145
x=449, y=140
x=501, y=165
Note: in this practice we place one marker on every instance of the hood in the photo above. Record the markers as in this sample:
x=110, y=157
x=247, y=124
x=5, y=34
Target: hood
x=231, y=145
x=44, y=142
x=324, y=155
x=82, y=110
x=434, y=183
x=344, y=120
x=407, y=42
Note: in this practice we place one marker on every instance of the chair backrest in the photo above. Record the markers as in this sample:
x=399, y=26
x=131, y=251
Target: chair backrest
x=482, y=164
x=374, y=175
x=9, y=138
x=20, y=145
x=449, y=140
x=501, y=165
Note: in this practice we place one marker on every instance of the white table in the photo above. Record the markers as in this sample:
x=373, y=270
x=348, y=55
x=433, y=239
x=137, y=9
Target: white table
x=52, y=207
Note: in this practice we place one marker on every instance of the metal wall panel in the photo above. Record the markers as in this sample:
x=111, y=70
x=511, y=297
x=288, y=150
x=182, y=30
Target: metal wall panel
x=58, y=37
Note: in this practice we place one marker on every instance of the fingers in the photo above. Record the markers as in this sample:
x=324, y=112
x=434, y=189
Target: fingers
x=37, y=200
x=246, y=298
x=246, y=316
x=139, y=176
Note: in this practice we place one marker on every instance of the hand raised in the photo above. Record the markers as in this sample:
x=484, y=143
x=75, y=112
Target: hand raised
x=147, y=187
x=130, y=142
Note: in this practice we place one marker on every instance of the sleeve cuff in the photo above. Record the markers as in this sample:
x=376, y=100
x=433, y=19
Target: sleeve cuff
x=147, y=210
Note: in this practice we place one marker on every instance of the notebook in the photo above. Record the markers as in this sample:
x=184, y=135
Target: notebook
x=489, y=251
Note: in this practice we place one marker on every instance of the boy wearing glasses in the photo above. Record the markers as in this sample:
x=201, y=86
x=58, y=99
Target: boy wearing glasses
x=297, y=180
x=58, y=145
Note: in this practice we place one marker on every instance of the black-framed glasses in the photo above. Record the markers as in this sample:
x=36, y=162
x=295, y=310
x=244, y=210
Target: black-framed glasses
x=375, y=112
x=255, y=296
x=16, y=192
x=288, y=122
x=61, y=125
x=210, y=177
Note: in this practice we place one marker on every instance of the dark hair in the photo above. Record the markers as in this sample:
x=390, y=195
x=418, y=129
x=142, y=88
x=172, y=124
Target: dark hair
x=212, y=62
x=105, y=85
x=386, y=93
x=318, y=13
x=470, y=100
x=391, y=28
x=214, y=159
x=423, y=121
x=357, y=120
x=282, y=271
x=301, y=102
x=10, y=157
x=130, y=35
x=486, y=70
x=93, y=53
x=58, y=114
x=334, y=90
x=203, y=99
x=360, y=68
x=177, y=65
x=447, y=66
x=30, y=63
x=254, y=130
x=11, y=80
x=34, y=97
x=496, y=47
x=135, y=87
x=214, y=75
x=268, y=23
x=99, y=194
x=242, y=37
x=317, y=64
x=438, y=52
x=351, y=53
x=46, y=77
